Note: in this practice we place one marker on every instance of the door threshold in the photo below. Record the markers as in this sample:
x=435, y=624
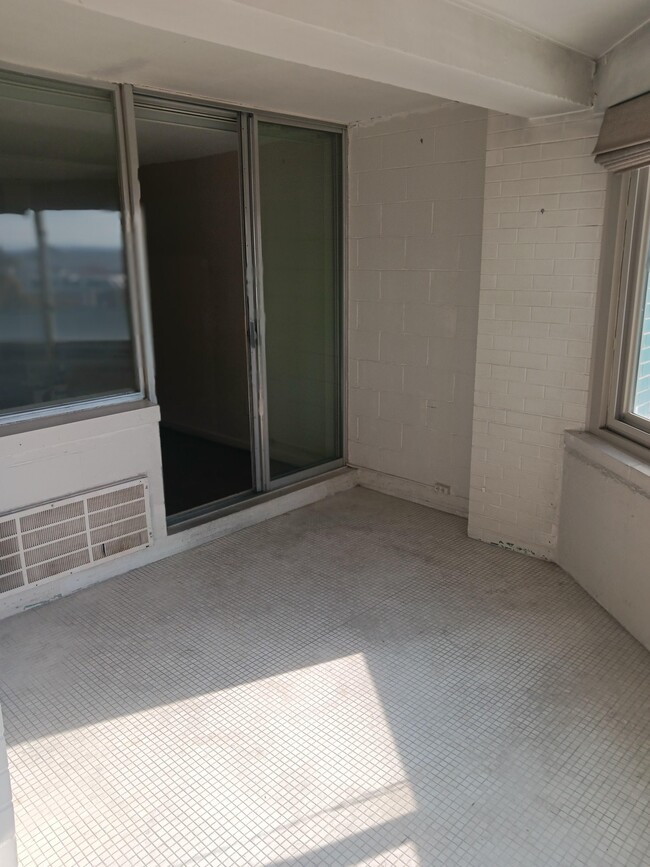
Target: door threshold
x=241, y=502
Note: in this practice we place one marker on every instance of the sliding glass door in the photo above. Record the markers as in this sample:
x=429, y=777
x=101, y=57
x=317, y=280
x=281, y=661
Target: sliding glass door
x=191, y=199
x=300, y=222
x=243, y=243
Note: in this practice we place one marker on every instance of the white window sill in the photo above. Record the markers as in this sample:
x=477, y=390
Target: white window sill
x=113, y=416
x=610, y=459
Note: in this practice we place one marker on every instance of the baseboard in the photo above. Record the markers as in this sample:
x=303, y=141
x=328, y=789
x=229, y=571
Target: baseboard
x=416, y=492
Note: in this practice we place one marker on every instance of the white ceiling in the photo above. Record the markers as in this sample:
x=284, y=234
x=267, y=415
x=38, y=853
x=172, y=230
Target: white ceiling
x=590, y=26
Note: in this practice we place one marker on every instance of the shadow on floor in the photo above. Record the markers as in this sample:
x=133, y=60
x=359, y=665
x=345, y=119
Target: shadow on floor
x=356, y=681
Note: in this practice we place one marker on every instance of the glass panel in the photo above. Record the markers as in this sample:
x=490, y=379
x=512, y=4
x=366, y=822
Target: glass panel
x=300, y=205
x=642, y=378
x=65, y=331
x=191, y=199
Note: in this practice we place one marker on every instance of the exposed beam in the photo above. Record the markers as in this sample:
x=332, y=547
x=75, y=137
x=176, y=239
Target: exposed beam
x=428, y=47
x=624, y=71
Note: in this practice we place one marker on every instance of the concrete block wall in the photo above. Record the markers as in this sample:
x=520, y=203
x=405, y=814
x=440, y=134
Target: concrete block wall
x=544, y=199
x=8, y=857
x=416, y=204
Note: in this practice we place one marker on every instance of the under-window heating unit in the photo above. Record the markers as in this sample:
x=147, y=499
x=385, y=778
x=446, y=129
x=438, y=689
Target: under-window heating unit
x=54, y=539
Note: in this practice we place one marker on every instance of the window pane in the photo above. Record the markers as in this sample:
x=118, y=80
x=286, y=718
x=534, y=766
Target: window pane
x=65, y=331
x=642, y=380
x=300, y=201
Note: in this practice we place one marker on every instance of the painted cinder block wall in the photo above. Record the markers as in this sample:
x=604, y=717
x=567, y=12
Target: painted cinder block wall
x=418, y=318
x=415, y=222
x=543, y=219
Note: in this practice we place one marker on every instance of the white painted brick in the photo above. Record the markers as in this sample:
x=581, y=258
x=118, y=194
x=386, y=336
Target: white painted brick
x=381, y=253
x=458, y=216
x=542, y=169
x=568, y=148
x=520, y=154
x=430, y=320
x=534, y=266
x=554, y=217
x=383, y=186
x=364, y=285
x=365, y=220
x=577, y=201
x=432, y=253
x=403, y=348
x=503, y=173
x=590, y=217
x=414, y=288
x=409, y=148
x=380, y=377
x=537, y=306
x=380, y=433
x=365, y=154
x=363, y=401
x=405, y=286
x=507, y=219
x=407, y=409
x=380, y=316
x=572, y=183
x=406, y=218
x=364, y=345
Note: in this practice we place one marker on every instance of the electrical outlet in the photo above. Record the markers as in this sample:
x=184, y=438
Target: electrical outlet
x=439, y=488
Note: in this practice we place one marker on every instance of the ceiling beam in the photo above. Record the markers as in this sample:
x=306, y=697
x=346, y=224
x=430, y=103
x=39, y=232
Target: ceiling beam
x=428, y=47
x=624, y=71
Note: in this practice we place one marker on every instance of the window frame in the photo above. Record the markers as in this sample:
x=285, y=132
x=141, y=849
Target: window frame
x=625, y=250
x=135, y=266
x=135, y=254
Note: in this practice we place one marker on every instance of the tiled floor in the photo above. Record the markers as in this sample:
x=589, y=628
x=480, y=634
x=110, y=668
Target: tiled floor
x=353, y=683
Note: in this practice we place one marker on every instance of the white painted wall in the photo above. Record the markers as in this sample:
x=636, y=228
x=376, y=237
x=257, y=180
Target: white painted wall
x=416, y=202
x=8, y=856
x=61, y=458
x=544, y=199
x=72, y=453
x=604, y=541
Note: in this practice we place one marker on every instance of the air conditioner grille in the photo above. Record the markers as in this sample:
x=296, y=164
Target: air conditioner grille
x=9, y=564
x=52, y=515
x=8, y=546
x=116, y=513
x=58, y=566
x=60, y=537
x=119, y=528
x=7, y=528
x=11, y=582
x=53, y=532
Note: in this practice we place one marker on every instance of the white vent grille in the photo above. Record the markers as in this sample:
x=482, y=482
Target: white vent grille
x=60, y=537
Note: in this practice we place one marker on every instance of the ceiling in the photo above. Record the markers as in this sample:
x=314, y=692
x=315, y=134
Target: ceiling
x=590, y=26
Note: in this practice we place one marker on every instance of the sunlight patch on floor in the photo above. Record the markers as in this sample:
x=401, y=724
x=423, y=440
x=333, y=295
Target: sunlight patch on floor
x=267, y=770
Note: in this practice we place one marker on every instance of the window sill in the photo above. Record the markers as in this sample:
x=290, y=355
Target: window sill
x=139, y=412
x=609, y=456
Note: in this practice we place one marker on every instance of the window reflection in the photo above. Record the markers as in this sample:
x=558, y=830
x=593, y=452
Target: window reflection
x=642, y=389
x=65, y=331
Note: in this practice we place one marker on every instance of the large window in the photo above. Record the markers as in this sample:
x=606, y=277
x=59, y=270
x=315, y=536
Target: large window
x=628, y=397
x=65, y=325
